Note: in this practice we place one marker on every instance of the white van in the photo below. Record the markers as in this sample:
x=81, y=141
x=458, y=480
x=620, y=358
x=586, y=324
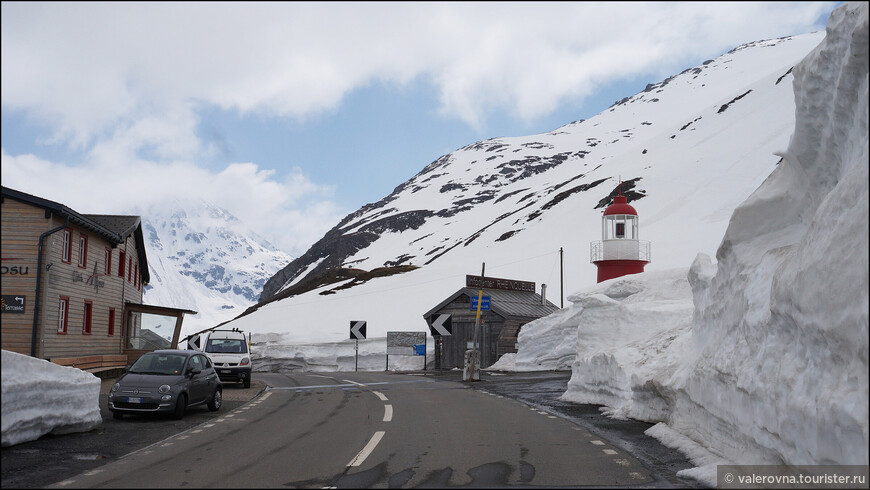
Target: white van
x=229, y=351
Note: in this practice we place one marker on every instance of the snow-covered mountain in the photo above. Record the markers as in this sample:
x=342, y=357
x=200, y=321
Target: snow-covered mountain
x=203, y=258
x=689, y=149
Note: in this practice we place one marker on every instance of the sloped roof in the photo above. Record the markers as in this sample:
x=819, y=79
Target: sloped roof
x=504, y=303
x=113, y=228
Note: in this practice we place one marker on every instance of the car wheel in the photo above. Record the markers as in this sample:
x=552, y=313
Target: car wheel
x=247, y=382
x=216, y=400
x=180, y=406
x=117, y=415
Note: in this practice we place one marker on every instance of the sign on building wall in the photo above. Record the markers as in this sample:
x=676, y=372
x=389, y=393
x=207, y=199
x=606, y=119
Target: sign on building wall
x=496, y=283
x=13, y=303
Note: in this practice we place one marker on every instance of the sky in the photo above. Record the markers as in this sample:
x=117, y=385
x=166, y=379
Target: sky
x=292, y=115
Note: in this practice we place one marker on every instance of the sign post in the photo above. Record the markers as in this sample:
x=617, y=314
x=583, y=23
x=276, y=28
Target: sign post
x=357, y=331
x=472, y=357
x=439, y=326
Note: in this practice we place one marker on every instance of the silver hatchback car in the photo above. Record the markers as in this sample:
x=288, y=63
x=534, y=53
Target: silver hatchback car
x=166, y=381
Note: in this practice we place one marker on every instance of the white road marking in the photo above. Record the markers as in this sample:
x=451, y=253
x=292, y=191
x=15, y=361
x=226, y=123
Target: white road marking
x=597, y=443
x=610, y=452
x=362, y=455
x=380, y=395
x=388, y=413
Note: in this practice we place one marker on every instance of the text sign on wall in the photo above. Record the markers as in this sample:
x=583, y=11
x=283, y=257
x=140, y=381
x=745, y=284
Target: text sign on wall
x=496, y=283
x=405, y=343
x=484, y=303
x=13, y=303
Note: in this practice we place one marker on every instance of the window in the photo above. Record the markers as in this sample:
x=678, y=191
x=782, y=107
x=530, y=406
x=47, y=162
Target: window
x=108, y=259
x=66, y=254
x=62, y=314
x=136, y=275
x=83, y=250
x=129, y=268
x=195, y=363
x=86, y=317
x=121, y=262
x=620, y=230
x=111, y=321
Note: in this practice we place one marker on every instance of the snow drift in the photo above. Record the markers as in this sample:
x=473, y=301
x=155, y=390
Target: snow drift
x=41, y=398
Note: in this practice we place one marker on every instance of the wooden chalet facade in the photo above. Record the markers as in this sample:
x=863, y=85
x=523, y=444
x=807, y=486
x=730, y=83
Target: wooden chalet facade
x=72, y=283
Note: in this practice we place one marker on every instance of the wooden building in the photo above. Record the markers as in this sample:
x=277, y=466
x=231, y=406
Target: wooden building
x=512, y=305
x=72, y=283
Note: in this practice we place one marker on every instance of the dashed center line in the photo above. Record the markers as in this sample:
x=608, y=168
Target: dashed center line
x=388, y=413
x=367, y=450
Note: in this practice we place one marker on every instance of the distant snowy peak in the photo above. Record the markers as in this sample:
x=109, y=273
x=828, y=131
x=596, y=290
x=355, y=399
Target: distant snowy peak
x=203, y=258
x=495, y=190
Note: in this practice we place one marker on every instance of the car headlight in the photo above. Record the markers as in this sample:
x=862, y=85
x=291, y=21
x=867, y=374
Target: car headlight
x=245, y=362
x=116, y=387
x=164, y=389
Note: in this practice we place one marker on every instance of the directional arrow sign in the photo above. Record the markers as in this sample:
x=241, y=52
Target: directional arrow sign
x=357, y=330
x=440, y=325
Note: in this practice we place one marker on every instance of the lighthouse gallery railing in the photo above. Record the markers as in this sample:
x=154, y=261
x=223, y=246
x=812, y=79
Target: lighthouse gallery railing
x=620, y=249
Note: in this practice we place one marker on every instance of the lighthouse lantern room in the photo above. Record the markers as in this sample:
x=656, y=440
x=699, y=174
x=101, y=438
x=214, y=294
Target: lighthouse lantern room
x=619, y=252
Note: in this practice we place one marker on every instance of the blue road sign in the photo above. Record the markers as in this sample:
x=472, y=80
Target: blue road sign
x=420, y=349
x=484, y=303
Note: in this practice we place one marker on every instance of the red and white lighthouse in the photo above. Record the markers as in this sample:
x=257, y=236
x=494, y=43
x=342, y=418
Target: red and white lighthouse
x=619, y=252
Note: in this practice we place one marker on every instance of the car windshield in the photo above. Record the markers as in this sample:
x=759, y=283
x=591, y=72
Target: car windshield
x=160, y=364
x=227, y=346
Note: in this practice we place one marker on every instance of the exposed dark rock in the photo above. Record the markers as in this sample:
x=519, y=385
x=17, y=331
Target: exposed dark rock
x=735, y=99
x=783, y=76
x=627, y=189
x=507, y=235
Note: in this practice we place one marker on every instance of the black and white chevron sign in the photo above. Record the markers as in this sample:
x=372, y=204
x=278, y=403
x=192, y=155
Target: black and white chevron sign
x=357, y=330
x=440, y=325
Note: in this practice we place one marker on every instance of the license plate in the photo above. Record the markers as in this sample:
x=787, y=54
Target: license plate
x=130, y=399
x=226, y=371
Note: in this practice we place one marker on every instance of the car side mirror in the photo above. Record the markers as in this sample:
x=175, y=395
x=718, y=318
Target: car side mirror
x=194, y=371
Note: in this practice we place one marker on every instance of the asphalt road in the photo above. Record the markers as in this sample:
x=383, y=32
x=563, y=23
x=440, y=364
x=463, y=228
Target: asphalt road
x=543, y=442
x=51, y=459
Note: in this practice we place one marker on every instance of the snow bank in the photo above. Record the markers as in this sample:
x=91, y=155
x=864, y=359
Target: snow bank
x=632, y=332
x=771, y=366
x=779, y=365
x=41, y=398
x=273, y=353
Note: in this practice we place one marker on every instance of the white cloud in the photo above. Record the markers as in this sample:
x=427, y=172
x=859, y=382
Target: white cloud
x=120, y=83
x=292, y=212
x=88, y=66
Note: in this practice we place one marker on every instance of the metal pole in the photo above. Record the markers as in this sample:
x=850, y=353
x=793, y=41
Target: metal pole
x=561, y=278
x=476, y=353
x=356, y=355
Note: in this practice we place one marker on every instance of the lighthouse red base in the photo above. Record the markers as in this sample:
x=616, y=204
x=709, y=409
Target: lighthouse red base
x=609, y=269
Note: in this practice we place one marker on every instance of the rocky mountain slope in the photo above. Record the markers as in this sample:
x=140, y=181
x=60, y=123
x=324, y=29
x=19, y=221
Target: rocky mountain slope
x=203, y=258
x=689, y=148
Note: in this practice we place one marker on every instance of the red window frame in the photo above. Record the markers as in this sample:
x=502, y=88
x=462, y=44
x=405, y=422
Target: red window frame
x=111, y=321
x=108, y=261
x=83, y=250
x=129, y=268
x=136, y=275
x=122, y=261
x=87, y=317
x=66, y=251
x=62, y=314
